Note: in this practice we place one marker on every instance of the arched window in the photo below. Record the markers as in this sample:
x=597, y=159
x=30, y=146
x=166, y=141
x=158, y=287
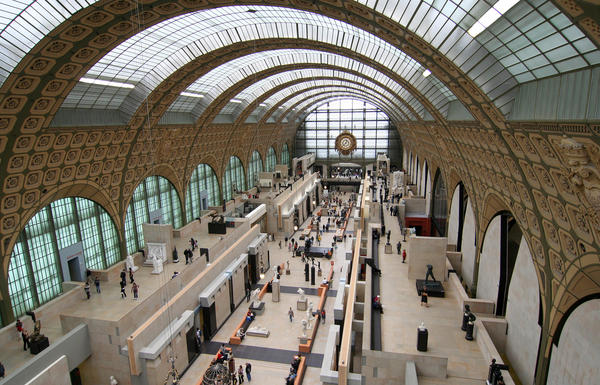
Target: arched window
x=203, y=179
x=254, y=167
x=285, y=155
x=370, y=126
x=34, y=273
x=154, y=193
x=234, y=179
x=271, y=159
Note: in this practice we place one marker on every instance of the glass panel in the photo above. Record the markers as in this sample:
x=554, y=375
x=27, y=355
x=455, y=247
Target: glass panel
x=34, y=274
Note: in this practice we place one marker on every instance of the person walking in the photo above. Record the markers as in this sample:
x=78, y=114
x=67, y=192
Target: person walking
x=25, y=337
x=280, y=244
x=403, y=255
x=291, y=314
x=131, y=275
x=248, y=370
x=86, y=287
x=1, y=370
x=124, y=277
x=323, y=316
x=97, y=283
x=123, y=294
x=241, y=374
x=135, y=289
x=398, y=246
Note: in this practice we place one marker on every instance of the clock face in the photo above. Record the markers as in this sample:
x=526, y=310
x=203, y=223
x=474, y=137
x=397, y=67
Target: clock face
x=345, y=143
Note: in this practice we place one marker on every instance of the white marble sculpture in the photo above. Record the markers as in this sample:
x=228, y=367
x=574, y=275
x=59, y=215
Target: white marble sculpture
x=113, y=381
x=309, y=315
x=304, y=327
x=258, y=331
x=255, y=300
x=156, y=251
x=130, y=264
x=157, y=266
x=302, y=296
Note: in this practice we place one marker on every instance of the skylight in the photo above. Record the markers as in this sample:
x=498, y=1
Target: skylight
x=493, y=14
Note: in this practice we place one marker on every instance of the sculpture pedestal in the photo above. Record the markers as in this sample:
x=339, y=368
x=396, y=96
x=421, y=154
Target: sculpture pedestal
x=275, y=291
x=287, y=272
x=258, y=310
x=388, y=248
x=38, y=344
x=302, y=304
x=303, y=340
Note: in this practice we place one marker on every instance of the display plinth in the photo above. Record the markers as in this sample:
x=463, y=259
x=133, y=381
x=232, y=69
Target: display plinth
x=434, y=288
x=38, y=344
x=275, y=291
x=388, y=248
x=257, y=310
x=302, y=304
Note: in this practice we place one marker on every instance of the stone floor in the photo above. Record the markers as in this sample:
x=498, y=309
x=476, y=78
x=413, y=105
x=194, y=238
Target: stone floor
x=403, y=314
x=108, y=304
x=284, y=334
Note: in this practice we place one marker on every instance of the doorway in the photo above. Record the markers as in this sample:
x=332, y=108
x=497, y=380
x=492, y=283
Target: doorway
x=75, y=271
x=192, y=346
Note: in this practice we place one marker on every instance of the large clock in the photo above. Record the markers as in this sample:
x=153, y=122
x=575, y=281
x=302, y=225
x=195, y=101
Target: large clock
x=345, y=143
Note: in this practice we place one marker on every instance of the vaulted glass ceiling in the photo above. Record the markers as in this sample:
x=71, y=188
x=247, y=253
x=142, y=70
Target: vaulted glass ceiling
x=256, y=90
x=153, y=54
x=531, y=41
x=221, y=78
x=296, y=104
x=282, y=95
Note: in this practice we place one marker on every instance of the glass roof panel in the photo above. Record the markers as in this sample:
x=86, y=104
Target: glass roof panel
x=520, y=33
x=232, y=108
x=306, y=103
x=321, y=87
x=442, y=23
x=24, y=23
x=158, y=51
x=221, y=78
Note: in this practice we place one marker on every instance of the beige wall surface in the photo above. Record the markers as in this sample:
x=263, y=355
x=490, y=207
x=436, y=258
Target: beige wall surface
x=522, y=312
x=575, y=360
x=423, y=251
x=489, y=263
x=55, y=374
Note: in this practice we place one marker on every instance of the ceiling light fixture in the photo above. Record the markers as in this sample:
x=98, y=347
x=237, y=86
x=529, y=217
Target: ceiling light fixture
x=235, y=101
x=191, y=94
x=263, y=104
x=426, y=73
x=493, y=14
x=106, y=83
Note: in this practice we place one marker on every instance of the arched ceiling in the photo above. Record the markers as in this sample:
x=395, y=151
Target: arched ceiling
x=528, y=41
x=151, y=55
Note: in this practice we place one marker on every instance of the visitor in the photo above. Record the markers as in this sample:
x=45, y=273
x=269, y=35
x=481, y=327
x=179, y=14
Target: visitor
x=291, y=314
x=124, y=277
x=25, y=337
x=134, y=290
x=123, y=294
x=323, y=316
x=424, y=297
x=377, y=304
x=241, y=374
x=131, y=275
x=404, y=256
x=1, y=370
x=248, y=370
x=398, y=246
x=86, y=288
x=97, y=283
